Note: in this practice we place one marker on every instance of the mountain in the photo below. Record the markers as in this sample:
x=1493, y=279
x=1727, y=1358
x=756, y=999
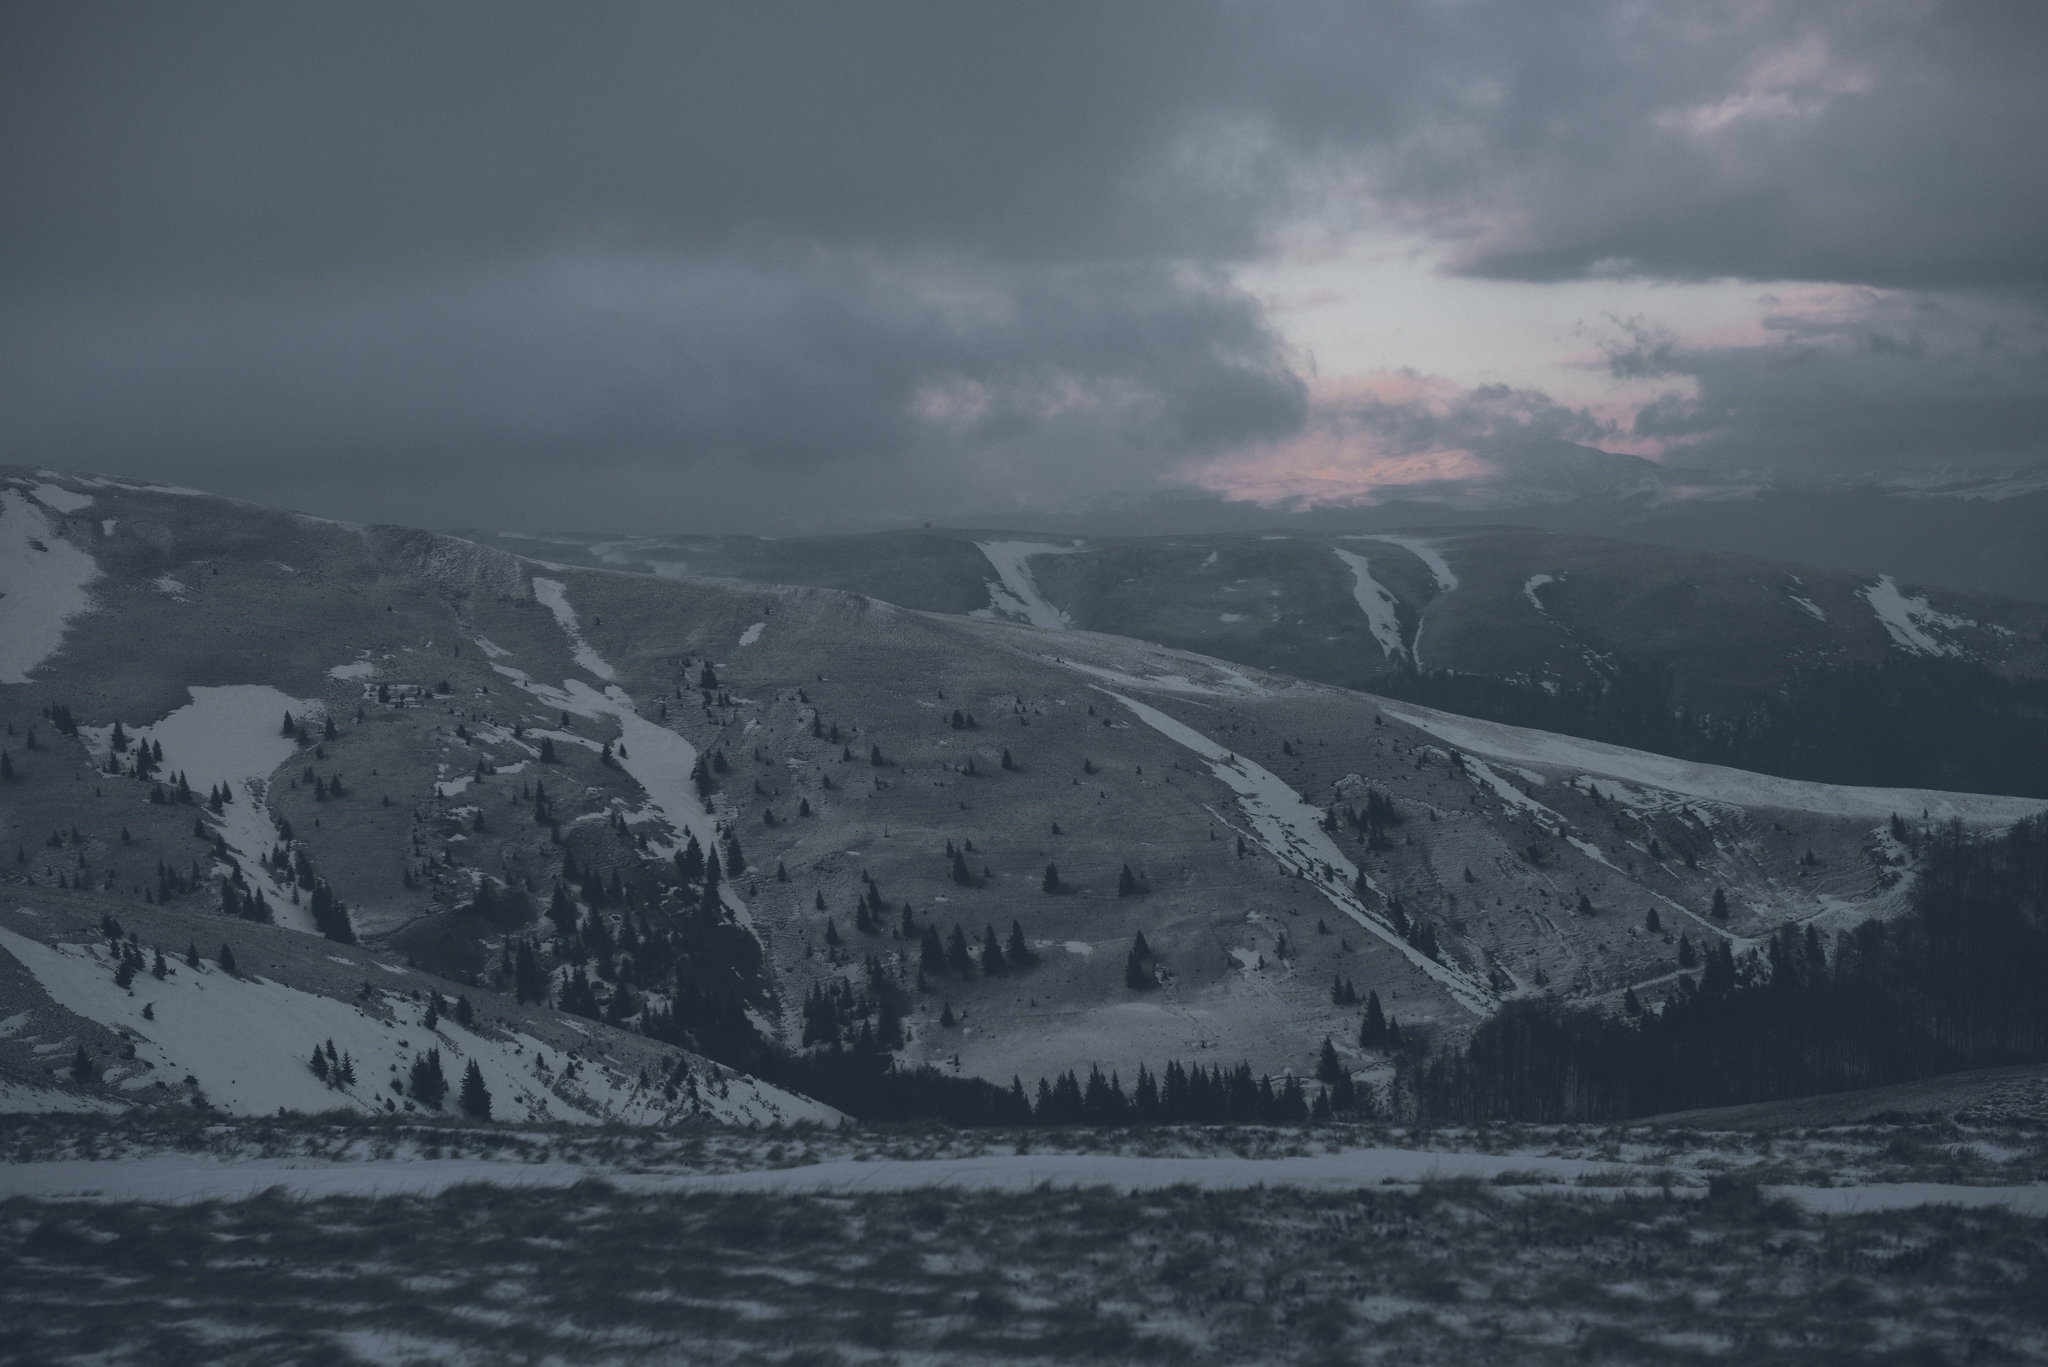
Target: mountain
x=1783, y=668
x=797, y=827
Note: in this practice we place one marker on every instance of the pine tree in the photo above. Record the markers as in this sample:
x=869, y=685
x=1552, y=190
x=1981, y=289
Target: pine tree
x=958, y=958
x=1686, y=957
x=476, y=1098
x=427, y=1083
x=1126, y=883
x=961, y=875
x=1372, y=1030
x=1720, y=908
x=226, y=960
x=1328, y=1067
x=191, y=954
x=1652, y=923
x=1019, y=949
x=465, y=1014
x=1051, y=882
x=992, y=963
x=81, y=1066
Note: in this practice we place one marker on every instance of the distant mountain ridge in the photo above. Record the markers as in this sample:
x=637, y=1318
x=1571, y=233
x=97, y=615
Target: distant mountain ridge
x=1792, y=670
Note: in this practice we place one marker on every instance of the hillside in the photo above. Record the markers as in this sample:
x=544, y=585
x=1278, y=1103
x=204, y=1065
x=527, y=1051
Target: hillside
x=1719, y=657
x=942, y=833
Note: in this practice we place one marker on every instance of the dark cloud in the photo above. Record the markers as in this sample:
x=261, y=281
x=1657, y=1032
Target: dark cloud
x=921, y=251
x=1864, y=385
x=752, y=373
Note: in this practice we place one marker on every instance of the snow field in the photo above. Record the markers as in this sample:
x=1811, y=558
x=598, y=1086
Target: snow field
x=41, y=590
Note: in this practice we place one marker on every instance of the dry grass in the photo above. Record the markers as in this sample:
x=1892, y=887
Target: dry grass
x=591, y=1275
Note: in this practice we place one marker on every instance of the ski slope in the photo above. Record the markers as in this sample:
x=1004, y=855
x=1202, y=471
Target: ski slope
x=43, y=580
x=1376, y=603
x=1712, y=782
x=1013, y=592
x=1291, y=831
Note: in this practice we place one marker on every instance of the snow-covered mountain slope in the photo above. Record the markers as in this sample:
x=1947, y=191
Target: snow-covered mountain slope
x=243, y=1041
x=519, y=755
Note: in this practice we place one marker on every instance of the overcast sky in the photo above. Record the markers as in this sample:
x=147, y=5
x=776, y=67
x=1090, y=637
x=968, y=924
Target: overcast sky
x=774, y=266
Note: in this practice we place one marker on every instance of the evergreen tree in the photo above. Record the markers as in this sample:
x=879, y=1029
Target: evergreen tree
x=475, y=1098
x=1051, y=882
x=992, y=963
x=1328, y=1067
x=1720, y=908
x=961, y=875
x=226, y=960
x=1126, y=883
x=958, y=958
x=1372, y=1030
x=1019, y=949
x=426, y=1083
x=81, y=1066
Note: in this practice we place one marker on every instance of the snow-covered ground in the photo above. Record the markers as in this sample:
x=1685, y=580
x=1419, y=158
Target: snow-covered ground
x=1519, y=745
x=1535, y=582
x=248, y=1043
x=1911, y=621
x=182, y=1178
x=1291, y=831
x=554, y=596
x=752, y=634
x=232, y=736
x=43, y=581
x=1013, y=592
x=1376, y=603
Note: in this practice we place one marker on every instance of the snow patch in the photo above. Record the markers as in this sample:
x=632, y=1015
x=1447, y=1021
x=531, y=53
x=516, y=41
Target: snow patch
x=752, y=633
x=58, y=497
x=1809, y=607
x=1013, y=592
x=1535, y=582
x=360, y=669
x=233, y=736
x=164, y=584
x=42, y=586
x=1376, y=603
x=1911, y=620
x=554, y=596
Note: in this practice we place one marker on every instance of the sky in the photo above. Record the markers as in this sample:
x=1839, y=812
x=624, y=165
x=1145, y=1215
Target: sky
x=780, y=267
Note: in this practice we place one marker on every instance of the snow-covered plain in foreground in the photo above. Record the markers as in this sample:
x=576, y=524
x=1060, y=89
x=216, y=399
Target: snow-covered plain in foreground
x=43, y=580
x=248, y=1044
x=1520, y=745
